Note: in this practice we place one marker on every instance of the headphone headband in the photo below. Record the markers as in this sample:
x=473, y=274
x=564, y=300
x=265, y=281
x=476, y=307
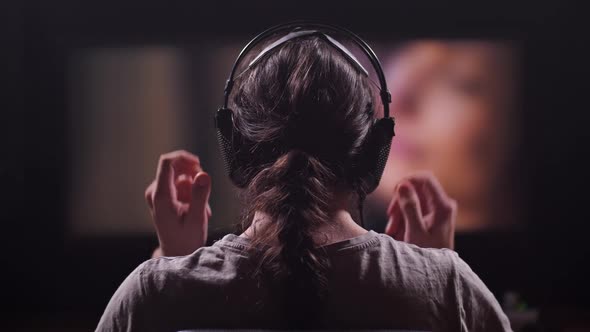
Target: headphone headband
x=312, y=27
x=365, y=169
x=303, y=33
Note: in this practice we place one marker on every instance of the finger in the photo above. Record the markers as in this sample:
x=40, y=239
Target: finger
x=395, y=219
x=164, y=190
x=427, y=180
x=393, y=222
x=449, y=219
x=149, y=195
x=399, y=232
x=410, y=207
x=393, y=199
x=389, y=227
x=185, y=162
x=184, y=185
x=445, y=206
x=179, y=162
x=209, y=211
x=182, y=154
x=201, y=190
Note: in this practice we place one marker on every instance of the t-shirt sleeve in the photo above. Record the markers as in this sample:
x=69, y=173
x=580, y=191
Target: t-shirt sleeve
x=126, y=309
x=477, y=307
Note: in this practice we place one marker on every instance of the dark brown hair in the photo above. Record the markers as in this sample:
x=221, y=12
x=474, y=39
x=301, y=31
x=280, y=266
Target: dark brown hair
x=304, y=111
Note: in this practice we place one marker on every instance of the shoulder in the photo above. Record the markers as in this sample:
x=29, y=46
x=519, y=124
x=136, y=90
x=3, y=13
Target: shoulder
x=212, y=265
x=476, y=307
x=457, y=295
x=157, y=286
x=428, y=270
x=439, y=261
x=126, y=306
x=425, y=271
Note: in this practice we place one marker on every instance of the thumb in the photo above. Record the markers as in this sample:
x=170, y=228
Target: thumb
x=201, y=190
x=396, y=222
x=410, y=207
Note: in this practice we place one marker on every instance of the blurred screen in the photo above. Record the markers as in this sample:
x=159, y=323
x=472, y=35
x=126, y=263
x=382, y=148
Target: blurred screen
x=455, y=104
x=456, y=110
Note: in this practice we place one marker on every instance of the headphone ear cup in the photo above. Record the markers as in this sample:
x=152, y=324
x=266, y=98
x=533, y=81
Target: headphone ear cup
x=376, y=153
x=226, y=138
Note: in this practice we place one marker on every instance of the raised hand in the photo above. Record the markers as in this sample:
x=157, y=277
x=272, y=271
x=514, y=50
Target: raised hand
x=178, y=200
x=421, y=213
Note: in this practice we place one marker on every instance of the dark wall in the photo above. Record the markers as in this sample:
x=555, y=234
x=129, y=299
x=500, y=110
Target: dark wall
x=52, y=279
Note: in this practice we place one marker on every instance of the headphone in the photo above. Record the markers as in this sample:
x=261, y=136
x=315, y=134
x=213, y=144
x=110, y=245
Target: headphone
x=374, y=153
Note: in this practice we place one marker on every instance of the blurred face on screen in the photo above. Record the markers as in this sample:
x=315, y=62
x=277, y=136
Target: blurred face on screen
x=452, y=102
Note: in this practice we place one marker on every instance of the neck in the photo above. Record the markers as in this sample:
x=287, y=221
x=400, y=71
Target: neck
x=340, y=227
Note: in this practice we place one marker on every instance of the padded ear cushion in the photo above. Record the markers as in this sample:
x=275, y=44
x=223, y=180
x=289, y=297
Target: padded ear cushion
x=375, y=154
x=226, y=138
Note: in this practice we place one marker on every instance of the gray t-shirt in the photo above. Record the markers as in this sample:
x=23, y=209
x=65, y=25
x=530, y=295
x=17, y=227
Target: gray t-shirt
x=375, y=282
